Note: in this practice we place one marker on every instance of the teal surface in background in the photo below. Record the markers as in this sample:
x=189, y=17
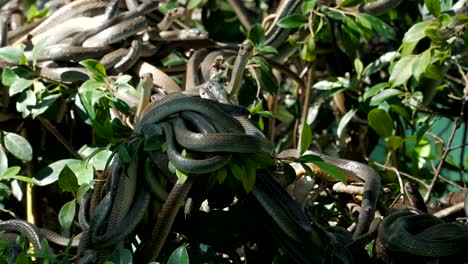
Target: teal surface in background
x=442, y=128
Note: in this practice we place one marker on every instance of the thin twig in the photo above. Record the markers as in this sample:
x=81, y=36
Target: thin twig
x=450, y=210
x=403, y=174
x=307, y=98
x=59, y=136
x=456, y=125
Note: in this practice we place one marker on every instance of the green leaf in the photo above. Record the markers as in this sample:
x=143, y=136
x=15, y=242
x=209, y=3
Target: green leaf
x=402, y=71
x=421, y=63
x=10, y=172
x=179, y=256
x=380, y=63
x=221, y=175
x=191, y=4
x=393, y=142
x=308, y=51
x=327, y=168
x=416, y=32
x=335, y=15
x=25, y=102
x=292, y=21
x=433, y=6
x=19, y=85
x=67, y=213
x=256, y=107
x=381, y=122
x=98, y=72
x=328, y=85
x=374, y=90
x=358, y=66
x=99, y=157
x=248, y=181
x=257, y=35
x=381, y=28
x=82, y=190
x=181, y=175
x=237, y=171
x=18, y=146
x=3, y=161
x=351, y=39
x=37, y=47
x=347, y=3
x=400, y=111
x=427, y=125
x=123, y=79
x=120, y=256
x=450, y=160
x=289, y=173
x=67, y=180
x=34, y=13
x=44, y=104
x=12, y=55
x=22, y=258
x=267, y=50
x=51, y=172
x=8, y=76
x=265, y=74
x=344, y=121
x=383, y=96
x=308, y=6
x=306, y=137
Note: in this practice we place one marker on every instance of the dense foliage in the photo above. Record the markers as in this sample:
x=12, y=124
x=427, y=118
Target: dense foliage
x=388, y=90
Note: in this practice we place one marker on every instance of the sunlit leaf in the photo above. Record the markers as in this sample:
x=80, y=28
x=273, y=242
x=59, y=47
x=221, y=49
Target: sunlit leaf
x=421, y=63
x=433, y=6
x=394, y=142
x=308, y=6
x=347, y=3
x=8, y=76
x=292, y=21
x=51, y=172
x=18, y=146
x=181, y=175
x=191, y=4
x=402, y=70
x=97, y=70
x=384, y=95
x=11, y=54
x=67, y=213
x=358, y=66
x=416, y=32
x=308, y=51
x=37, y=47
x=327, y=168
x=306, y=137
x=344, y=121
x=374, y=90
x=19, y=85
x=3, y=161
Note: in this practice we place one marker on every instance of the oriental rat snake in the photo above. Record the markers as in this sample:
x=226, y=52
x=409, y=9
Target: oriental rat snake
x=217, y=131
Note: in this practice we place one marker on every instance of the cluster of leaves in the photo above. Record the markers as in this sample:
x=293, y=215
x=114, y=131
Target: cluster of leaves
x=396, y=71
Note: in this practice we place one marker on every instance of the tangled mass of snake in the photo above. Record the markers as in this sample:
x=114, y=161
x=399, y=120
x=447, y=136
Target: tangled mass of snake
x=194, y=150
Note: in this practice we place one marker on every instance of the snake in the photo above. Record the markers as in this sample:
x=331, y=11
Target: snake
x=34, y=234
x=410, y=232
